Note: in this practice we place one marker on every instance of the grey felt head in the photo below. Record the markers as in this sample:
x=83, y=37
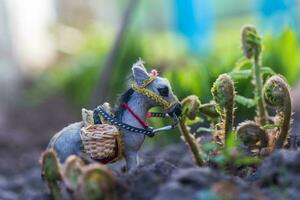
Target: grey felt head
x=160, y=86
x=139, y=72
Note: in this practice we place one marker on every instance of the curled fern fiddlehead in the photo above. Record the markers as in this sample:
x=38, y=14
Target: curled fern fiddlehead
x=190, y=108
x=277, y=94
x=96, y=182
x=73, y=168
x=250, y=42
x=251, y=45
x=249, y=133
x=51, y=172
x=223, y=92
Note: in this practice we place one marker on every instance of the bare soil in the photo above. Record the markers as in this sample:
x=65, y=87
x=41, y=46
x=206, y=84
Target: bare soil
x=165, y=172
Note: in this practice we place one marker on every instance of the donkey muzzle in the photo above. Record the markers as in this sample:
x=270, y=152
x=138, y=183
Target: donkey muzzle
x=176, y=110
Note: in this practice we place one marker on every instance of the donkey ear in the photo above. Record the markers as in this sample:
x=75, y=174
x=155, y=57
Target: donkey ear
x=139, y=72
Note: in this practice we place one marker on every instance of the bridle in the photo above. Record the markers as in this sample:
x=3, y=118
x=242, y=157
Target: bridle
x=148, y=93
x=147, y=130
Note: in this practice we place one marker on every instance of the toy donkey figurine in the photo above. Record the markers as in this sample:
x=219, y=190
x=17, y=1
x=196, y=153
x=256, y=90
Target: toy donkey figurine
x=103, y=134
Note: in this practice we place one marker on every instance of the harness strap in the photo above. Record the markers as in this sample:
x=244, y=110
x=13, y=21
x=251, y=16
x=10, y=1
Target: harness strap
x=144, y=124
x=113, y=121
x=156, y=114
x=96, y=118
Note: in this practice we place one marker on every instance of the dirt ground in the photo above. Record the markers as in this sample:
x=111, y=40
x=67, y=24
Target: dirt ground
x=24, y=134
x=165, y=173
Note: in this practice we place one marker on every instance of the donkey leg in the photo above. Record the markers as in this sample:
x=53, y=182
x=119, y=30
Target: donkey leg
x=132, y=160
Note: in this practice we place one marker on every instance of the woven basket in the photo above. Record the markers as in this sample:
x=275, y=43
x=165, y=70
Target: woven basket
x=102, y=142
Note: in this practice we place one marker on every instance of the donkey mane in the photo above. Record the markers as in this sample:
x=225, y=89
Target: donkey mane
x=124, y=98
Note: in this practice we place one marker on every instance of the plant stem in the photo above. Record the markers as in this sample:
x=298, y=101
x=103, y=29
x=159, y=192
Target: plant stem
x=260, y=101
x=286, y=123
x=228, y=123
x=55, y=191
x=191, y=141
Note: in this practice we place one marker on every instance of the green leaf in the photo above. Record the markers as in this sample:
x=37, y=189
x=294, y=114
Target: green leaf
x=247, y=160
x=219, y=159
x=231, y=141
x=245, y=101
x=203, y=129
x=190, y=122
x=240, y=74
x=270, y=126
x=267, y=71
x=209, y=109
x=243, y=63
x=208, y=146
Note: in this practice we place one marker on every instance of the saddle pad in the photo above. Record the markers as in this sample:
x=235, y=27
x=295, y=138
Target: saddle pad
x=102, y=142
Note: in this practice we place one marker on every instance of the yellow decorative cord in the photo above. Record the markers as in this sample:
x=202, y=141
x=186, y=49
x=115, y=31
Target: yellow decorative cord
x=148, y=81
x=140, y=89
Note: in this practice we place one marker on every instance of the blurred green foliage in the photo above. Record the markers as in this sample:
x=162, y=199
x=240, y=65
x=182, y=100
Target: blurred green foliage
x=75, y=75
x=282, y=55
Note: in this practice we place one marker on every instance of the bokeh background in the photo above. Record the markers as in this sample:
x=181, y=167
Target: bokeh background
x=57, y=56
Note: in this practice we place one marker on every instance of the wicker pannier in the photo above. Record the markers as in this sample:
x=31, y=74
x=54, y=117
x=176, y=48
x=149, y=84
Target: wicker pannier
x=102, y=142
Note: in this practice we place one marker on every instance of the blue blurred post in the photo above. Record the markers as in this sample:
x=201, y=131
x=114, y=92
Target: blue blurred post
x=194, y=20
x=276, y=14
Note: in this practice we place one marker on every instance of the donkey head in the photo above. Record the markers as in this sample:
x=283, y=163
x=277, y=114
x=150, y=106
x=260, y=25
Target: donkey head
x=156, y=89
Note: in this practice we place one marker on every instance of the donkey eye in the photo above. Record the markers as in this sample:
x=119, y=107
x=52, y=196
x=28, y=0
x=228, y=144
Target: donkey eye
x=163, y=91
